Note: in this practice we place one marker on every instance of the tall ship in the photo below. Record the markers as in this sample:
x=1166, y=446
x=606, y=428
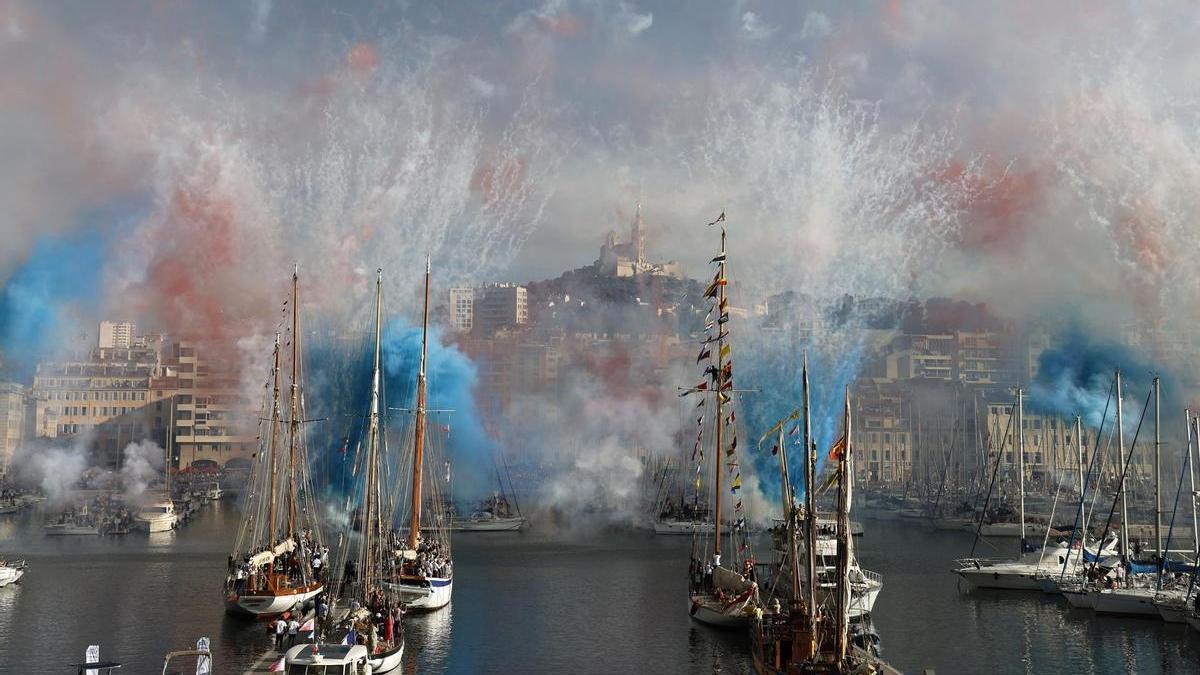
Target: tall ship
x=722, y=590
x=424, y=577
x=366, y=605
x=807, y=631
x=270, y=568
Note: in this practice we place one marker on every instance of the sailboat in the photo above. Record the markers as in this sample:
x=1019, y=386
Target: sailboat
x=497, y=513
x=372, y=608
x=719, y=595
x=270, y=569
x=158, y=515
x=425, y=577
x=812, y=634
x=1024, y=572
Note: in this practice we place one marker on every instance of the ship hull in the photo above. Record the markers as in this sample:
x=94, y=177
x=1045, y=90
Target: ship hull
x=493, y=525
x=269, y=605
x=1126, y=602
x=682, y=527
x=425, y=595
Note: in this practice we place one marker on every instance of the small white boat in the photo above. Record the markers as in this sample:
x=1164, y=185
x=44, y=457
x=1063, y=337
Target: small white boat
x=327, y=659
x=69, y=528
x=11, y=572
x=159, y=516
x=486, y=521
x=684, y=527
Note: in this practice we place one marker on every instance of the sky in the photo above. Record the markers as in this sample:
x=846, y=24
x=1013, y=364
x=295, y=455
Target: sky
x=1039, y=157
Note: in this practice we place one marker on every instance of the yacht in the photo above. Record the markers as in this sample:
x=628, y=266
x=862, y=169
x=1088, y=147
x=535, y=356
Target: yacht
x=157, y=516
x=329, y=660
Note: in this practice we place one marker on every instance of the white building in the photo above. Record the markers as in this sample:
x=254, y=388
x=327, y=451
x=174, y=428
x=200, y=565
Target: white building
x=116, y=334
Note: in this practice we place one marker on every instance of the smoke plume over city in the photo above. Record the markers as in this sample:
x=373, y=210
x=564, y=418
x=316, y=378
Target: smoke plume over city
x=172, y=163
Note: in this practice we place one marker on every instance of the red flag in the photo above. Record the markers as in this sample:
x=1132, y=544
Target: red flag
x=775, y=449
x=704, y=354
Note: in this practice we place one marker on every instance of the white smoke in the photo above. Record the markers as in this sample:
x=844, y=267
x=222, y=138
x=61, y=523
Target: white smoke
x=55, y=470
x=142, y=465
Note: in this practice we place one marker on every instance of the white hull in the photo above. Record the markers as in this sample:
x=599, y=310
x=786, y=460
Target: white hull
x=682, y=527
x=862, y=603
x=706, y=614
x=388, y=662
x=269, y=605
x=488, y=525
x=422, y=598
x=158, y=523
x=10, y=575
x=1013, y=577
x=1128, y=602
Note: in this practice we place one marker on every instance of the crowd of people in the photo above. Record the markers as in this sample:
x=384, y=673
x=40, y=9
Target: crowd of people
x=304, y=564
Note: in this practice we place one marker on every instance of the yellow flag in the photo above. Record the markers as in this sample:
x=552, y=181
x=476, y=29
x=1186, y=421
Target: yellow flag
x=724, y=351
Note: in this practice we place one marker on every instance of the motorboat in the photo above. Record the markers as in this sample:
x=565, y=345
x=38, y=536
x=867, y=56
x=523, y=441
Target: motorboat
x=157, y=516
x=486, y=521
x=11, y=572
x=684, y=527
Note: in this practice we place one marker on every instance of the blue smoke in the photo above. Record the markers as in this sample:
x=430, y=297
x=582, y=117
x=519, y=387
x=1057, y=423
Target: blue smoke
x=59, y=271
x=1074, y=378
x=773, y=367
x=339, y=386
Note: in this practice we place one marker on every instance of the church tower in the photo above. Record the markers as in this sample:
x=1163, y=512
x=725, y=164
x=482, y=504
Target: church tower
x=638, y=238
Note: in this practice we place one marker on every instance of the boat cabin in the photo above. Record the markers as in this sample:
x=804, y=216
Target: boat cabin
x=328, y=660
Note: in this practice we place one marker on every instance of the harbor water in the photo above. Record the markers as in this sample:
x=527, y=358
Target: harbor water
x=533, y=602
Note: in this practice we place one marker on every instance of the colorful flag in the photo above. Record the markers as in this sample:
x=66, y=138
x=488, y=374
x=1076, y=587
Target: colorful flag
x=720, y=219
x=704, y=354
x=720, y=258
x=700, y=420
x=774, y=449
x=724, y=303
x=737, y=483
x=732, y=417
x=728, y=385
x=835, y=452
x=725, y=349
x=795, y=430
x=723, y=397
x=724, y=318
x=711, y=291
x=738, y=505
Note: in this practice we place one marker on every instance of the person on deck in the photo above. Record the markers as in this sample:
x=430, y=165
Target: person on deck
x=293, y=628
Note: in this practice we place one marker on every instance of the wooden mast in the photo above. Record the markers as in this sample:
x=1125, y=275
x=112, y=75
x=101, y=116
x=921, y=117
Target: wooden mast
x=419, y=431
x=371, y=516
x=274, y=441
x=841, y=644
x=719, y=460
x=1021, y=464
x=294, y=422
x=810, y=506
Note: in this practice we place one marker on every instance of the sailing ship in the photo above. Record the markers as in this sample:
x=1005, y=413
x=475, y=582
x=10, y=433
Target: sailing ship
x=812, y=633
x=270, y=569
x=372, y=609
x=719, y=595
x=677, y=512
x=424, y=578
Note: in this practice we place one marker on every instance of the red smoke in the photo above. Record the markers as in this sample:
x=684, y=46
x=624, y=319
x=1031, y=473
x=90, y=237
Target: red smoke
x=363, y=58
x=999, y=202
